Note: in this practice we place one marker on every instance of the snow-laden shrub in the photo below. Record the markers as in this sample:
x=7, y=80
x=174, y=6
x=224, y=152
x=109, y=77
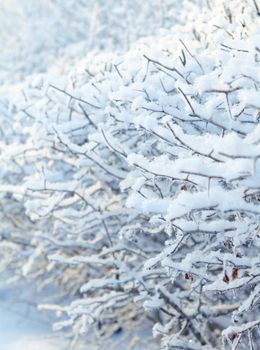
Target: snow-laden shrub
x=143, y=188
x=16, y=229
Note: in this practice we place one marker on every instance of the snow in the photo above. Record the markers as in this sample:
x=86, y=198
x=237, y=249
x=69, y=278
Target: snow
x=22, y=327
x=31, y=344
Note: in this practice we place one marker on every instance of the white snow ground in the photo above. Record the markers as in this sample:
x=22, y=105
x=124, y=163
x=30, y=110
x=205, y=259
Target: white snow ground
x=18, y=332
x=22, y=326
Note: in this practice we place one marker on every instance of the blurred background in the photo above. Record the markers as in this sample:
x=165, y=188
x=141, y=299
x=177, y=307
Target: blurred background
x=35, y=33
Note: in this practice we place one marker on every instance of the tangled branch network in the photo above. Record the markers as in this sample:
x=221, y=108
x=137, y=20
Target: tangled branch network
x=131, y=182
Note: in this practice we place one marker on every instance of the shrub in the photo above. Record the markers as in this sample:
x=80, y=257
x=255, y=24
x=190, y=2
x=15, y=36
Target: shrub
x=144, y=185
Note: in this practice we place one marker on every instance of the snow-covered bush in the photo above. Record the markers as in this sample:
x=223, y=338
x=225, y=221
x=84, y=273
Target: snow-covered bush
x=143, y=185
x=15, y=228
